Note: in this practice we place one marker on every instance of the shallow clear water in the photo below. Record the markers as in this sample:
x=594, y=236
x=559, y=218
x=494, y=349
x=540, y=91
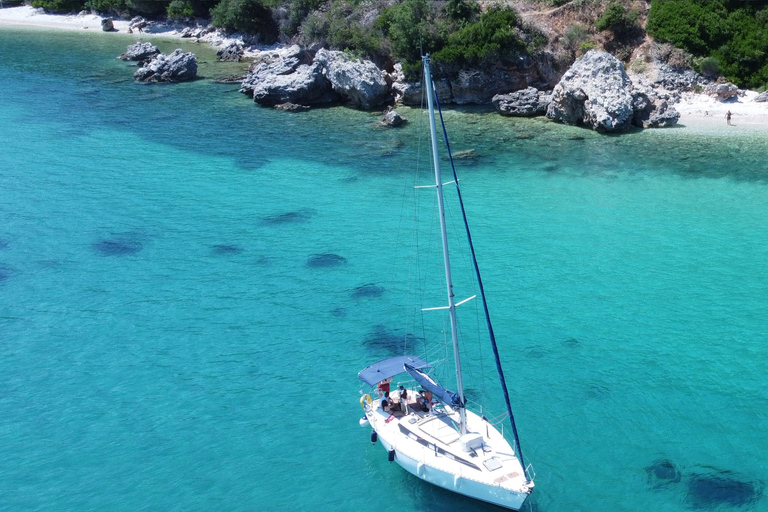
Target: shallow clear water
x=167, y=340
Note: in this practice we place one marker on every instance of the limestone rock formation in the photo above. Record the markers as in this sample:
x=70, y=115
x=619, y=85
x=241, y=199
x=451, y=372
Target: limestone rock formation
x=107, y=25
x=140, y=52
x=360, y=82
x=411, y=93
x=652, y=111
x=291, y=107
x=393, y=119
x=479, y=86
x=524, y=103
x=176, y=67
x=763, y=96
x=725, y=92
x=138, y=23
x=232, y=52
x=595, y=91
x=288, y=75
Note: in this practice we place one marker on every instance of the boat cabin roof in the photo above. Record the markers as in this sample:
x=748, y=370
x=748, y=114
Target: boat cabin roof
x=388, y=368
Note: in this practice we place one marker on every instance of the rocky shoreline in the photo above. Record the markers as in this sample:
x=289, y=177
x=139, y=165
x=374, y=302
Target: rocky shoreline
x=595, y=92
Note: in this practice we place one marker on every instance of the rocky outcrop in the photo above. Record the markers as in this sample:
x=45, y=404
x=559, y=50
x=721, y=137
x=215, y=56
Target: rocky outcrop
x=652, y=111
x=527, y=102
x=410, y=93
x=673, y=78
x=288, y=76
x=176, y=67
x=197, y=32
x=594, y=92
x=360, y=82
x=725, y=92
x=479, y=86
x=140, y=52
x=107, y=25
x=233, y=52
x=763, y=96
x=295, y=75
x=291, y=107
x=393, y=119
x=138, y=23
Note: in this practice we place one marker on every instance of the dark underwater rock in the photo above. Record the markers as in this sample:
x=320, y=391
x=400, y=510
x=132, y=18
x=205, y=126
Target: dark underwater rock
x=5, y=274
x=712, y=489
x=118, y=246
x=395, y=343
x=226, y=249
x=572, y=343
x=289, y=217
x=662, y=473
x=325, y=260
x=367, y=291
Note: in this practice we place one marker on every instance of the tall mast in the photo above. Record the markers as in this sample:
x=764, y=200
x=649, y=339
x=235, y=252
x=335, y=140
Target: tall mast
x=444, y=233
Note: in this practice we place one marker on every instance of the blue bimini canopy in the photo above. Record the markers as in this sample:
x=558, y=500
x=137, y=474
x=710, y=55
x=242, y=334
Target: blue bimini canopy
x=387, y=368
x=428, y=383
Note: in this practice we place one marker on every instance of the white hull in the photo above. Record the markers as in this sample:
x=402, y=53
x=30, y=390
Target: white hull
x=440, y=460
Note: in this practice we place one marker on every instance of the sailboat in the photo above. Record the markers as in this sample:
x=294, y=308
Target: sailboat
x=430, y=430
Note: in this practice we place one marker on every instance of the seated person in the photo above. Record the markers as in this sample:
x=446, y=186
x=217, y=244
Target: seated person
x=386, y=404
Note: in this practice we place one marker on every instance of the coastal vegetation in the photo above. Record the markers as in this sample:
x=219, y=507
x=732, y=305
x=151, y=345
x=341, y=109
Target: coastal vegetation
x=727, y=37
x=719, y=37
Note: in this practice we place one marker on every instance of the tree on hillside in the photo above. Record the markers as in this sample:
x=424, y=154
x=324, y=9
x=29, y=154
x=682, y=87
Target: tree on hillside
x=734, y=33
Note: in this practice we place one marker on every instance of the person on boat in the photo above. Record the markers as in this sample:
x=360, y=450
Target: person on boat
x=422, y=401
x=383, y=386
x=403, y=394
x=386, y=404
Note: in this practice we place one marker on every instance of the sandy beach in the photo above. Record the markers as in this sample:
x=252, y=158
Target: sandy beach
x=27, y=16
x=696, y=110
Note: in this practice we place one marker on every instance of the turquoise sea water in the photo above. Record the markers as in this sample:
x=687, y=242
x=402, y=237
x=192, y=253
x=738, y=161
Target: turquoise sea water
x=169, y=340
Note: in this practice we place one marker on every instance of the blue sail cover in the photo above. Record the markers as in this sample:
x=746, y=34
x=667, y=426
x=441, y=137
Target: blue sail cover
x=447, y=397
x=387, y=368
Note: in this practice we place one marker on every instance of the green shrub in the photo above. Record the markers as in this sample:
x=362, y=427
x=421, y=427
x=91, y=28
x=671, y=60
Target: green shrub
x=586, y=46
x=249, y=16
x=411, y=30
x=575, y=35
x=639, y=65
x=462, y=11
x=616, y=18
x=117, y=7
x=709, y=66
x=147, y=8
x=60, y=6
x=492, y=37
x=179, y=9
x=732, y=32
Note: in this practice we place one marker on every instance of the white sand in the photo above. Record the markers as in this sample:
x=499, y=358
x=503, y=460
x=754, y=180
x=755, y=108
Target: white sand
x=705, y=111
x=28, y=16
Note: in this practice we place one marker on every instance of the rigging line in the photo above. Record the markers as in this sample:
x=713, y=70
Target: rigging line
x=482, y=293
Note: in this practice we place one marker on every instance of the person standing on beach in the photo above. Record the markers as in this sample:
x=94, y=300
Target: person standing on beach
x=728, y=117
